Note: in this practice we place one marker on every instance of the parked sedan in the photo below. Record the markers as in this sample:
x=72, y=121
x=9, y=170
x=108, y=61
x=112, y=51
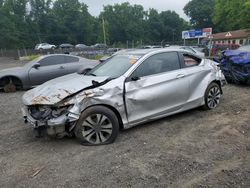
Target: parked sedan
x=128, y=89
x=66, y=46
x=44, y=46
x=81, y=46
x=41, y=70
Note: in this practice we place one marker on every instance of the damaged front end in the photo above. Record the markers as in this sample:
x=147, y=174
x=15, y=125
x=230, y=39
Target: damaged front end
x=55, y=109
x=56, y=121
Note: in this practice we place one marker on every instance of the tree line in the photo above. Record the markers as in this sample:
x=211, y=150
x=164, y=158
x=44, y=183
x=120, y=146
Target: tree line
x=222, y=15
x=24, y=23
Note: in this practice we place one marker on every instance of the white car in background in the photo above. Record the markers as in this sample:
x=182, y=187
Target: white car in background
x=44, y=46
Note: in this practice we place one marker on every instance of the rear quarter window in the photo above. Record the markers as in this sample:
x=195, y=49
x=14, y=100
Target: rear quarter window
x=190, y=60
x=71, y=59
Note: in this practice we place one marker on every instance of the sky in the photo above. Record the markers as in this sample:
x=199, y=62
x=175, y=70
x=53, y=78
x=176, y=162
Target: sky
x=96, y=6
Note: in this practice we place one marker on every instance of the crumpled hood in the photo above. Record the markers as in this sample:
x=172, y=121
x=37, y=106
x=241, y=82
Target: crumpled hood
x=56, y=90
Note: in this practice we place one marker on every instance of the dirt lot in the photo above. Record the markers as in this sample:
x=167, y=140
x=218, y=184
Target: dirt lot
x=193, y=149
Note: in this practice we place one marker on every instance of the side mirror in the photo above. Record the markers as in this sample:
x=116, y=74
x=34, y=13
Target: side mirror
x=84, y=71
x=105, y=58
x=135, y=78
x=36, y=65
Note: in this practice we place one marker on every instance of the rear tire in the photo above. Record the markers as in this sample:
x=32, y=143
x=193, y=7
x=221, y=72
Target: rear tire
x=98, y=125
x=212, y=96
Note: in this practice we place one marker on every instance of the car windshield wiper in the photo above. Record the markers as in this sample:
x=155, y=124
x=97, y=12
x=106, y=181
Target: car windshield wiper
x=91, y=74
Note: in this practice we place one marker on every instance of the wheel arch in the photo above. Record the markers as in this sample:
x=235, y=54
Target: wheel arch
x=118, y=115
x=219, y=83
x=13, y=78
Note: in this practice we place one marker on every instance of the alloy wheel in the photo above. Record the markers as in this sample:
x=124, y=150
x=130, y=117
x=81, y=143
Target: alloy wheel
x=97, y=128
x=213, y=98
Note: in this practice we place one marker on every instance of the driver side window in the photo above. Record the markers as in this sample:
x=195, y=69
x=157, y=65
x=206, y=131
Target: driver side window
x=157, y=64
x=52, y=60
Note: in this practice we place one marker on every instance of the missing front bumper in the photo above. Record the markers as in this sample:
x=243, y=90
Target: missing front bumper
x=59, y=126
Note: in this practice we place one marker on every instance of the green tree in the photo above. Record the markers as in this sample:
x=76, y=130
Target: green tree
x=200, y=12
x=154, y=26
x=232, y=15
x=172, y=26
x=165, y=26
x=73, y=22
x=13, y=23
x=124, y=21
x=39, y=20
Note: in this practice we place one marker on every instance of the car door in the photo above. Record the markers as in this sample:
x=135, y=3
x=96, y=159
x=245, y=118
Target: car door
x=50, y=67
x=72, y=64
x=158, y=86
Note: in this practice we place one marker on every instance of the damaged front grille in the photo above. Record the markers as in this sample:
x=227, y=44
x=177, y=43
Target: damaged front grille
x=43, y=113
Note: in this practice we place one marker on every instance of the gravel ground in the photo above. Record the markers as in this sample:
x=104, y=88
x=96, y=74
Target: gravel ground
x=8, y=63
x=192, y=149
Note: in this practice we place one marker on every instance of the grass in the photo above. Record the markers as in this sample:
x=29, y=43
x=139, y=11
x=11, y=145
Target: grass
x=97, y=57
x=29, y=57
x=32, y=57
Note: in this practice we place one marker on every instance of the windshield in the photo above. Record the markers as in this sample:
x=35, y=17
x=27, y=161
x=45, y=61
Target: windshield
x=115, y=66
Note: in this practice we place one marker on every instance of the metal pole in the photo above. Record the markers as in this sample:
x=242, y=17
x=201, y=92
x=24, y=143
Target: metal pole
x=104, y=32
x=127, y=44
x=173, y=35
x=210, y=46
x=18, y=54
x=162, y=43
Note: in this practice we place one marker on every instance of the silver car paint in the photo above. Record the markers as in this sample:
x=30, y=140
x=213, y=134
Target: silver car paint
x=139, y=101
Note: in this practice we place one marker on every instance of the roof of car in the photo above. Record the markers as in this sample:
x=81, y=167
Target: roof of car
x=146, y=51
x=49, y=55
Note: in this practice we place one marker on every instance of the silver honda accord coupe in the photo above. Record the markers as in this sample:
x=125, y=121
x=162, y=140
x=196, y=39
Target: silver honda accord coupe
x=128, y=89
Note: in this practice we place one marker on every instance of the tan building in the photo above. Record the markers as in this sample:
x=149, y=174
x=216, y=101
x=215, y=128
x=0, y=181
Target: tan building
x=240, y=37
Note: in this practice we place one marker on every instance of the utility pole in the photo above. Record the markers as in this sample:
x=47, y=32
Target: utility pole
x=210, y=44
x=173, y=30
x=104, y=32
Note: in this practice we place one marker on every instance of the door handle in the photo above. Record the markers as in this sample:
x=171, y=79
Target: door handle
x=180, y=76
x=61, y=67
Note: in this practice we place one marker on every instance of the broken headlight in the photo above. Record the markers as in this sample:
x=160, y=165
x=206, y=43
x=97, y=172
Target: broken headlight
x=47, y=112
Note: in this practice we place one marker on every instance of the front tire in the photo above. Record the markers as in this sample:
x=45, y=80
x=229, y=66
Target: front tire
x=212, y=96
x=98, y=125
